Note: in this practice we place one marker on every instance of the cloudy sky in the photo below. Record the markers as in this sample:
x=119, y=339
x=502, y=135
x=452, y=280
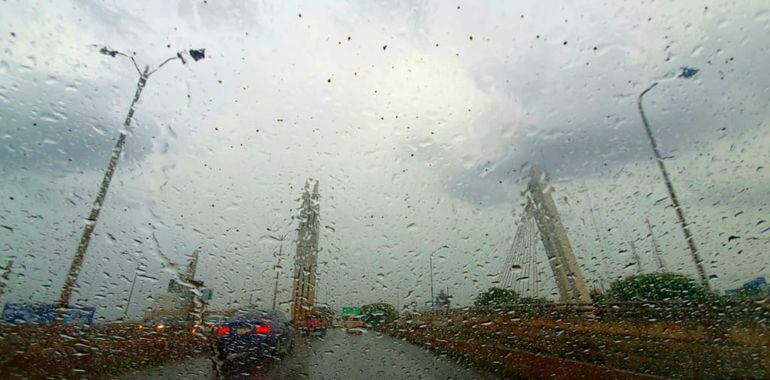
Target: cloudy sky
x=420, y=120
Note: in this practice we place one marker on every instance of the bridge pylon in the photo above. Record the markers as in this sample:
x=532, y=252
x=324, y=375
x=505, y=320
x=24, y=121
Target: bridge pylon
x=541, y=211
x=306, y=259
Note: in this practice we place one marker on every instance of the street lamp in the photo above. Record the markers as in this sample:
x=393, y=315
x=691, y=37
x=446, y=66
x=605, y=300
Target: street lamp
x=687, y=72
x=277, y=255
x=130, y=294
x=85, y=239
x=277, y=268
x=433, y=300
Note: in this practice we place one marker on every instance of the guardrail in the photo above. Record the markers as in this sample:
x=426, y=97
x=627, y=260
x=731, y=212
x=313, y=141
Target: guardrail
x=719, y=311
x=715, y=339
x=37, y=351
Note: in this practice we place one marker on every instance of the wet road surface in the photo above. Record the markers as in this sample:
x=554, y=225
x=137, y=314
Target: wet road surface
x=337, y=356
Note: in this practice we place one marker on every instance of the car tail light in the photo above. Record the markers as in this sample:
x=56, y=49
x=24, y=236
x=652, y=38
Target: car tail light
x=223, y=330
x=263, y=329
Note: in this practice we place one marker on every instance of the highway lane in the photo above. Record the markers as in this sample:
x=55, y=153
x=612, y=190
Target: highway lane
x=337, y=356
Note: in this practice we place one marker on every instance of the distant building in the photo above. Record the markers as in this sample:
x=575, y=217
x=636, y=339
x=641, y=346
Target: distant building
x=443, y=299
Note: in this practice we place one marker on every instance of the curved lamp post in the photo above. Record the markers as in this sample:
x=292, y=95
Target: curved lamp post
x=85, y=239
x=433, y=300
x=687, y=72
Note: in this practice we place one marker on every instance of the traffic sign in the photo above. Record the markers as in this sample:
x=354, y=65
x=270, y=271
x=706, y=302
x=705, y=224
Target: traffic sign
x=45, y=313
x=351, y=310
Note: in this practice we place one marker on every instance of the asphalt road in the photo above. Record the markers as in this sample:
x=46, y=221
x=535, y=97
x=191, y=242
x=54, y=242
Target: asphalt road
x=337, y=356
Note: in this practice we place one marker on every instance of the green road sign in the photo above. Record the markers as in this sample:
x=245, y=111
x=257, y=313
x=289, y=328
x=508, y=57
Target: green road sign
x=351, y=310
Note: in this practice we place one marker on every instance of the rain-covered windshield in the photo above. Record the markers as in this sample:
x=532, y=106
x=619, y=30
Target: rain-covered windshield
x=409, y=189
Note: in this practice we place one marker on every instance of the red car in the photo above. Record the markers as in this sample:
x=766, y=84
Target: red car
x=315, y=323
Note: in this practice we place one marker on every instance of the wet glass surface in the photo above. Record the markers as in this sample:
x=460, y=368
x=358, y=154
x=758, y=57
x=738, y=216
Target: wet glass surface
x=420, y=189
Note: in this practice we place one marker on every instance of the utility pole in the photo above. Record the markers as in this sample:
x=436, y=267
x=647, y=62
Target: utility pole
x=130, y=296
x=655, y=249
x=636, y=257
x=687, y=72
x=85, y=238
x=398, y=305
x=431, y=282
x=602, y=246
x=277, y=270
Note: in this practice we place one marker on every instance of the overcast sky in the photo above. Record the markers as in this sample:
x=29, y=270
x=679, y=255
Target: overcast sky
x=419, y=119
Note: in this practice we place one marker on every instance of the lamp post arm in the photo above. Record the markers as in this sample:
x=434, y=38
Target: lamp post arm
x=644, y=117
x=163, y=63
x=115, y=52
x=135, y=65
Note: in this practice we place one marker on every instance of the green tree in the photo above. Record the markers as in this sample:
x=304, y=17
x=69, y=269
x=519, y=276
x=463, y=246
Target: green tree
x=751, y=293
x=496, y=297
x=379, y=313
x=657, y=287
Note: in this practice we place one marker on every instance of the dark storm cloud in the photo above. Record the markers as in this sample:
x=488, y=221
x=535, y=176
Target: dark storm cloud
x=214, y=15
x=570, y=153
x=591, y=126
x=224, y=14
x=53, y=128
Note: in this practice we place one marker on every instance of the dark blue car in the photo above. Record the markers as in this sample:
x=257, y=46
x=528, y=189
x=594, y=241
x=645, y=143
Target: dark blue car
x=255, y=333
